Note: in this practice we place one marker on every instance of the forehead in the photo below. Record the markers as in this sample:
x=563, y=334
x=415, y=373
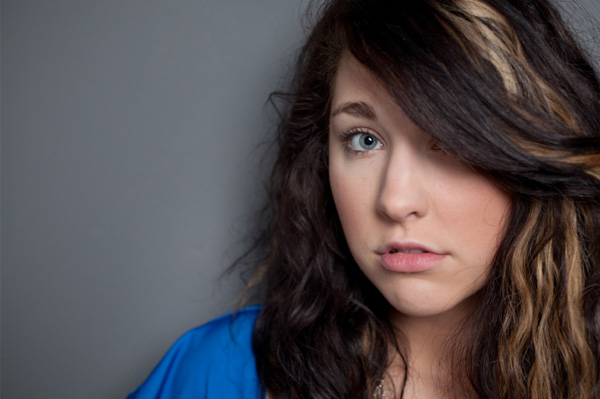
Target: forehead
x=357, y=92
x=355, y=82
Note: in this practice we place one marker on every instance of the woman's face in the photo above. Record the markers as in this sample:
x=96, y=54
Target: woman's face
x=421, y=225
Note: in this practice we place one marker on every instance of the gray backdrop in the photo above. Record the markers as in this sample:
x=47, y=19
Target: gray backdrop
x=129, y=169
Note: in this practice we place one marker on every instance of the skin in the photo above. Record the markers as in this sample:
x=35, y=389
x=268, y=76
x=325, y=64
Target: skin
x=392, y=184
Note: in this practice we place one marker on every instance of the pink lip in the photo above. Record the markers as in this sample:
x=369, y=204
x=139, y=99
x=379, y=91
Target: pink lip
x=394, y=257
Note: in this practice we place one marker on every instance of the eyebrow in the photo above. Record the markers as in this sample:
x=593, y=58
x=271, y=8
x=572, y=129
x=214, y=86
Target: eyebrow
x=359, y=109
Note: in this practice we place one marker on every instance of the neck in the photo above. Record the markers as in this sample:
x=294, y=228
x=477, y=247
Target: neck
x=430, y=345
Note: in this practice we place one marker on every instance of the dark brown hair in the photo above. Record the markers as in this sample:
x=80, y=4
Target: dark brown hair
x=502, y=85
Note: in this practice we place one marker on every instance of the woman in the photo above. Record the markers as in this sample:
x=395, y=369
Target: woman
x=435, y=216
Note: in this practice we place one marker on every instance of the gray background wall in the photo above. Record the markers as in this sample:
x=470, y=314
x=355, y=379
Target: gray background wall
x=129, y=169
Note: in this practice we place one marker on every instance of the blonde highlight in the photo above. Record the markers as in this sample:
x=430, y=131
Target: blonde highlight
x=544, y=321
x=484, y=32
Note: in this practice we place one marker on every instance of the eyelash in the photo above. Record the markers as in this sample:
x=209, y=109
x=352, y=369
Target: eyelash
x=346, y=138
x=436, y=147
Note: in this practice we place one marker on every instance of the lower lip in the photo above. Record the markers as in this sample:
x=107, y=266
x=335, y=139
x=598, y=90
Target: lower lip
x=410, y=262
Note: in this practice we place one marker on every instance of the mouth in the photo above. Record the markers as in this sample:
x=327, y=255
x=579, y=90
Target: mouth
x=405, y=248
x=409, y=257
x=407, y=251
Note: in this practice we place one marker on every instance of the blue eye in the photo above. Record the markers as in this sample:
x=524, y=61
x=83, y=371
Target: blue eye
x=364, y=142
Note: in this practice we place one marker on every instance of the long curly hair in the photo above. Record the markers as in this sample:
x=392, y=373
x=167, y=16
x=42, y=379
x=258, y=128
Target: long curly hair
x=502, y=85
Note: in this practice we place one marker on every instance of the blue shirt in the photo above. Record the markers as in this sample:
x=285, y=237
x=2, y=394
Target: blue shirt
x=211, y=361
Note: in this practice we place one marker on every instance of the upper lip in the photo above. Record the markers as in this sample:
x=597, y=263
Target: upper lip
x=404, y=246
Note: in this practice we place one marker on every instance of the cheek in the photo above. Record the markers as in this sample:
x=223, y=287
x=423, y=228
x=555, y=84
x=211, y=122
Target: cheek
x=352, y=192
x=476, y=211
x=347, y=202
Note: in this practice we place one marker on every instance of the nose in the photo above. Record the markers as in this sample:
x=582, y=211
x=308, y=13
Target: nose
x=403, y=194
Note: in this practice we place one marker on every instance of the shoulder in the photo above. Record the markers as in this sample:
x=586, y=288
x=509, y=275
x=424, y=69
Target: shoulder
x=211, y=361
x=230, y=331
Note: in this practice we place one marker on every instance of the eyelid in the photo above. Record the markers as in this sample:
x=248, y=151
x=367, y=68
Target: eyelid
x=347, y=136
x=435, y=146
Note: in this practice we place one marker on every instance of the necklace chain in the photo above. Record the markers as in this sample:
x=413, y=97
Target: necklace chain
x=379, y=390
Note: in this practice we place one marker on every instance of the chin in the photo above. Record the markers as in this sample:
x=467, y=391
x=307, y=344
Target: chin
x=421, y=305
